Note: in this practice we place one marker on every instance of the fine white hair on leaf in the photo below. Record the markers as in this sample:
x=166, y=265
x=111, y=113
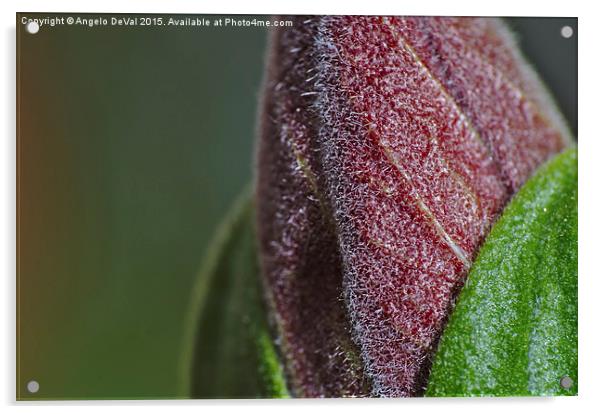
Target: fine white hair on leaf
x=387, y=150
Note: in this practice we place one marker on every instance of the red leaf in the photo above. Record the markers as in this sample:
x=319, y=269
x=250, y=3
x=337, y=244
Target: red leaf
x=388, y=148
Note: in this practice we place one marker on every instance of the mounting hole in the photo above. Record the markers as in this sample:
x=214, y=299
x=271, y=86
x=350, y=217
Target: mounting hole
x=33, y=386
x=32, y=27
x=566, y=32
x=566, y=382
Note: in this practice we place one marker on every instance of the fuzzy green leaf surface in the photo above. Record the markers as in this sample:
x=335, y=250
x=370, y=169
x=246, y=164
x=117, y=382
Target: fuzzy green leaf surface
x=232, y=354
x=514, y=328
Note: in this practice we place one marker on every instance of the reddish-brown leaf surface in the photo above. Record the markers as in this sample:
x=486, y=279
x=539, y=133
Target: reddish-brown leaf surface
x=388, y=147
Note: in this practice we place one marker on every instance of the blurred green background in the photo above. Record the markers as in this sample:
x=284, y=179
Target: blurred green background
x=132, y=144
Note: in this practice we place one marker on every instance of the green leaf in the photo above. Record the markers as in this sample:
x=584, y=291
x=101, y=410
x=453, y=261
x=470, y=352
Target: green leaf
x=231, y=353
x=514, y=328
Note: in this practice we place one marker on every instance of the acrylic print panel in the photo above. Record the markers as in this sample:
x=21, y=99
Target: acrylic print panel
x=295, y=206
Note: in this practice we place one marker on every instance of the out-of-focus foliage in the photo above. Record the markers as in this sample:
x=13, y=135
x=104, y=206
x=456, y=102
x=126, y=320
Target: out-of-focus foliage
x=233, y=354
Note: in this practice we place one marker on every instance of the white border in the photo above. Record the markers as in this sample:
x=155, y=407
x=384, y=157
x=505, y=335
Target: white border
x=590, y=285
x=378, y=7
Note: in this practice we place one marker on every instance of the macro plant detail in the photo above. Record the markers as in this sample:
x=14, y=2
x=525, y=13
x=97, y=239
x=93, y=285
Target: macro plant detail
x=514, y=329
x=388, y=147
x=224, y=206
